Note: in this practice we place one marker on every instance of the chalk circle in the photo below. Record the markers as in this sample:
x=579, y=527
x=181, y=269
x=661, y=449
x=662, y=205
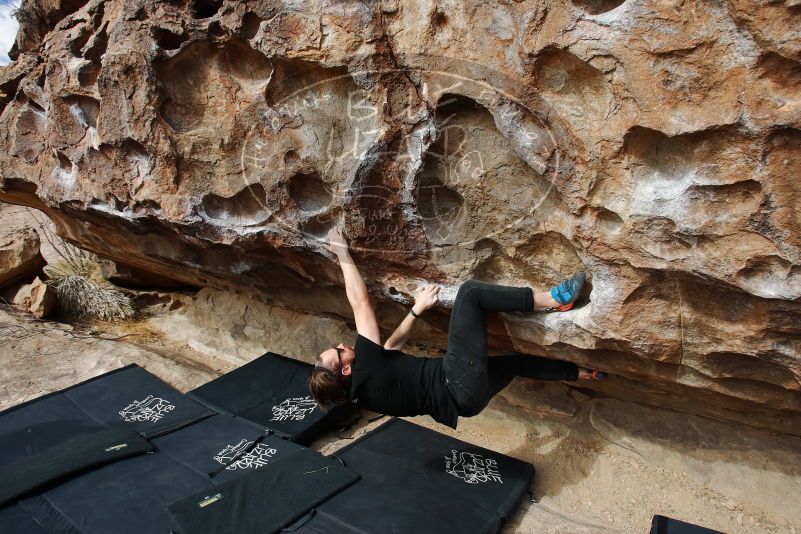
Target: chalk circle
x=254, y=161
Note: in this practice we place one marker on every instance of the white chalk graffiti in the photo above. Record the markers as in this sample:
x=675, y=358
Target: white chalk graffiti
x=293, y=409
x=473, y=468
x=258, y=457
x=150, y=409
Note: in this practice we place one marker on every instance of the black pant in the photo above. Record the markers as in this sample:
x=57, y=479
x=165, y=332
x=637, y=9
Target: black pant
x=472, y=377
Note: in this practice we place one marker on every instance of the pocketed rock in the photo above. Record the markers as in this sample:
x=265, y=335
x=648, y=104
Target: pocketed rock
x=650, y=143
x=19, y=256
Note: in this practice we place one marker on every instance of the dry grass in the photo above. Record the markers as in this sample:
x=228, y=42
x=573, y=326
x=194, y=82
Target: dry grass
x=79, y=296
x=81, y=290
x=136, y=330
x=26, y=13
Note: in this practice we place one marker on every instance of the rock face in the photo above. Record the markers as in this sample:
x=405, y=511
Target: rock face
x=37, y=298
x=20, y=259
x=653, y=144
x=126, y=276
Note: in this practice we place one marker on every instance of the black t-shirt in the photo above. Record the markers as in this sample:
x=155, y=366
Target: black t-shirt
x=393, y=383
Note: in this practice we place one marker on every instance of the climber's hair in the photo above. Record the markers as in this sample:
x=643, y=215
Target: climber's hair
x=328, y=387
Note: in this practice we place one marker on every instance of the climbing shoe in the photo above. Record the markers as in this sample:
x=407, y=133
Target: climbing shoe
x=566, y=293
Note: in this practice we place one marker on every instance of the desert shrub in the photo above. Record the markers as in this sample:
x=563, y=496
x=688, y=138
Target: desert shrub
x=82, y=296
x=81, y=290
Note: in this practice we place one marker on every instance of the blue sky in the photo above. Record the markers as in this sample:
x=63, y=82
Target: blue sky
x=8, y=28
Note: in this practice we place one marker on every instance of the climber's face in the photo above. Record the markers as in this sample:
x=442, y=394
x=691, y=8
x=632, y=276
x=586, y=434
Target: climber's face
x=338, y=358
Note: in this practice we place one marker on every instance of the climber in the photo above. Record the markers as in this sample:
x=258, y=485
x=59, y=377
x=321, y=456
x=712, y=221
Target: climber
x=383, y=379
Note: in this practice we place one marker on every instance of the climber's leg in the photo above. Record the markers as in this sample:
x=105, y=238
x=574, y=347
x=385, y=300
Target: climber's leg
x=504, y=367
x=465, y=363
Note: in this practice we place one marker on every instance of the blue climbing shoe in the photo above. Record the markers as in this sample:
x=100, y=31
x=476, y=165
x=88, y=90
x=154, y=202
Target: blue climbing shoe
x=566, y=293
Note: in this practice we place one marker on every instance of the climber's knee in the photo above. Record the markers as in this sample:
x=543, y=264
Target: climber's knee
x=467, y=286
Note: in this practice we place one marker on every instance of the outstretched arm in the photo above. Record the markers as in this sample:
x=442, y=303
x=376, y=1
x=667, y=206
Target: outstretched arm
x=425, y=299
x=355, y=288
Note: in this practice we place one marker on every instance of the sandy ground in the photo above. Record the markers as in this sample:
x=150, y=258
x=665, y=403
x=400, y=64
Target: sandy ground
x=602, y=465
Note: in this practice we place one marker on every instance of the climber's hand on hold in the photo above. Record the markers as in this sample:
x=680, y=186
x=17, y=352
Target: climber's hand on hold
x=426, y=298
x=337, y=242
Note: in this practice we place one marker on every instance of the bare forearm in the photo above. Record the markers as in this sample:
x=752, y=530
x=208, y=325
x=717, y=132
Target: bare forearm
x=425, y=299
x=355, y=288
x=401, y=334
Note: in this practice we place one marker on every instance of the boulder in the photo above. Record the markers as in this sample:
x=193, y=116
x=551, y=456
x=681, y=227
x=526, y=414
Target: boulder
x=127, y=276
x=20, y=259
x=43, y=299
x=652, y=145
x=37, y=298
x=22, y=296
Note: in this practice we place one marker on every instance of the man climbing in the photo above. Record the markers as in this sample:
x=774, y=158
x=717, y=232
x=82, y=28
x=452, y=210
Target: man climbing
x=383, y=379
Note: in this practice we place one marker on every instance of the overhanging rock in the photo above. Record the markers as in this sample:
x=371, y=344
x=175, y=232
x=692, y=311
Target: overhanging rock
x=216, y=143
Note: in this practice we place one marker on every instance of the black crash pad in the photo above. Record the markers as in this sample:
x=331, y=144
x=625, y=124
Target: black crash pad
x=265, y=500
x=15, y=520
x=270, y=392
x=62, y=433
x=666, y=525
x=136, y=399
x=130, y=496
x=74, y=456
x=39, y=426
x=128, y=397
x=417, y=480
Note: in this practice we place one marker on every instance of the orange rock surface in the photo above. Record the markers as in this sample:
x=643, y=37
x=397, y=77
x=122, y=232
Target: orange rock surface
x=654, y=144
